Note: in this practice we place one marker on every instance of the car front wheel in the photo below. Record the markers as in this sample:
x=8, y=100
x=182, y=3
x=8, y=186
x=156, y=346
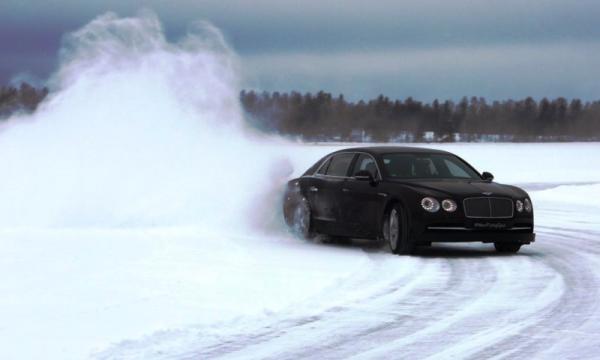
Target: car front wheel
x=397, y=232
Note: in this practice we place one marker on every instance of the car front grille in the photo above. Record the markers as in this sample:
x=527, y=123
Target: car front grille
x=488, y=208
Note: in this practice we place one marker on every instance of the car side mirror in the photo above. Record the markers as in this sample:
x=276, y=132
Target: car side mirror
x=364, y=175
x=487, y=176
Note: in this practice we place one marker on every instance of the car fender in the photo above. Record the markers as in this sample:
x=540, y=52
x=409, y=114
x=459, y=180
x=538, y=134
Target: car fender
x=391, y=202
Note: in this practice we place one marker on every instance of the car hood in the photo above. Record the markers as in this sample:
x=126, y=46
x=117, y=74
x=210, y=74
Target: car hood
x=463, y=188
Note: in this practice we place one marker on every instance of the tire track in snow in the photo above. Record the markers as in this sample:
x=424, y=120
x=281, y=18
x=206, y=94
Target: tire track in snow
x=397, y=319
x=461, y=301
x=566, y=322
x=387, y=313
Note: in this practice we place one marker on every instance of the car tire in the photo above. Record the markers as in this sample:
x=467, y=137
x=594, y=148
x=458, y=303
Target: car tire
x=396, y=232
x=302, y=223
x=507, y=247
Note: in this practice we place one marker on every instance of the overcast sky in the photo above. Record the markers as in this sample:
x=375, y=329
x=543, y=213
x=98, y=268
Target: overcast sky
x=426, y=49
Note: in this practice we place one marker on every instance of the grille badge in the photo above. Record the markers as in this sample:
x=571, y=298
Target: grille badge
x=487, y=193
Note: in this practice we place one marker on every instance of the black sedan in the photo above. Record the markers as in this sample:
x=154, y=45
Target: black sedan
x=408, y=197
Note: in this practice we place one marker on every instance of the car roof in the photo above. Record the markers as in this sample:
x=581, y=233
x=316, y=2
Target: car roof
x=378, y=150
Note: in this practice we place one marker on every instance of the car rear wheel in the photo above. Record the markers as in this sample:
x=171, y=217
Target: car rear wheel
x=302, y=220
x=507, y=247
x=397, y=232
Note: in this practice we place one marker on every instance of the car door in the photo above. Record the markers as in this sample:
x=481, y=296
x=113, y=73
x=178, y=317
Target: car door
x=326, y=194
x=313, y=192
x=362, y=200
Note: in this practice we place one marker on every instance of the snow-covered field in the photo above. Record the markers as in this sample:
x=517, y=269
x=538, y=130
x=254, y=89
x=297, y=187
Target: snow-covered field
x=192, y=292
x=140, y=218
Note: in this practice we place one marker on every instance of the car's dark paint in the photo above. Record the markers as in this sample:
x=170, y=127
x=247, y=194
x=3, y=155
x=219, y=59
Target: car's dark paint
x=349, y=207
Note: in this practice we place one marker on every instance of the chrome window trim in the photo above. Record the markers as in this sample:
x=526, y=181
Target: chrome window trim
x=512, y=208
x=379, y=176
x=461, y=228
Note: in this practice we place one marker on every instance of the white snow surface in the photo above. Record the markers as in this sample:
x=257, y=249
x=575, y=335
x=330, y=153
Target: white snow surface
x=181, y=292
x=140, y=218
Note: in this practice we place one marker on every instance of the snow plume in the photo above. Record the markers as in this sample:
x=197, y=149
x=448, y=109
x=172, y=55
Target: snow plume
x=137, y=131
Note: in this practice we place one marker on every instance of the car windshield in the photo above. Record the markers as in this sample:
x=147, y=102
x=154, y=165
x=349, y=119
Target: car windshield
x=427, y=166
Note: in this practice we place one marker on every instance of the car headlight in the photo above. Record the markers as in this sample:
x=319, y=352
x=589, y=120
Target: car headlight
x=430, y=204
x=519, y=205
x=527, y=205
x=449, y=205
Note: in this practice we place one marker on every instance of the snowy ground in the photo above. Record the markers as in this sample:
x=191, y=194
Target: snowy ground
x=193, y=292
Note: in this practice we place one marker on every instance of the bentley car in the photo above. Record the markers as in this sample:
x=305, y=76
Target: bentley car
x=407, y=197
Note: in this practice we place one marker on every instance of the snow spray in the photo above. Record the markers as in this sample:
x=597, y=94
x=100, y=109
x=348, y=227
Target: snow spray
x=138, y=131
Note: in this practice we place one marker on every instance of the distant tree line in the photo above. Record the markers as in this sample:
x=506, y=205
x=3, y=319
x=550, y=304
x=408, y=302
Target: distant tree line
x=323, y=117
x=24, y=98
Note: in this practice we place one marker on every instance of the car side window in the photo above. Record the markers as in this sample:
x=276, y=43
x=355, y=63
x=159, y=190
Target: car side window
x=455, y=170
x=339, y=164
x=365, y=162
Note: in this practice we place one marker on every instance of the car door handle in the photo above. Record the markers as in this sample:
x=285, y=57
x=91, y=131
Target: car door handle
x=313, y=189
x=346, y=190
